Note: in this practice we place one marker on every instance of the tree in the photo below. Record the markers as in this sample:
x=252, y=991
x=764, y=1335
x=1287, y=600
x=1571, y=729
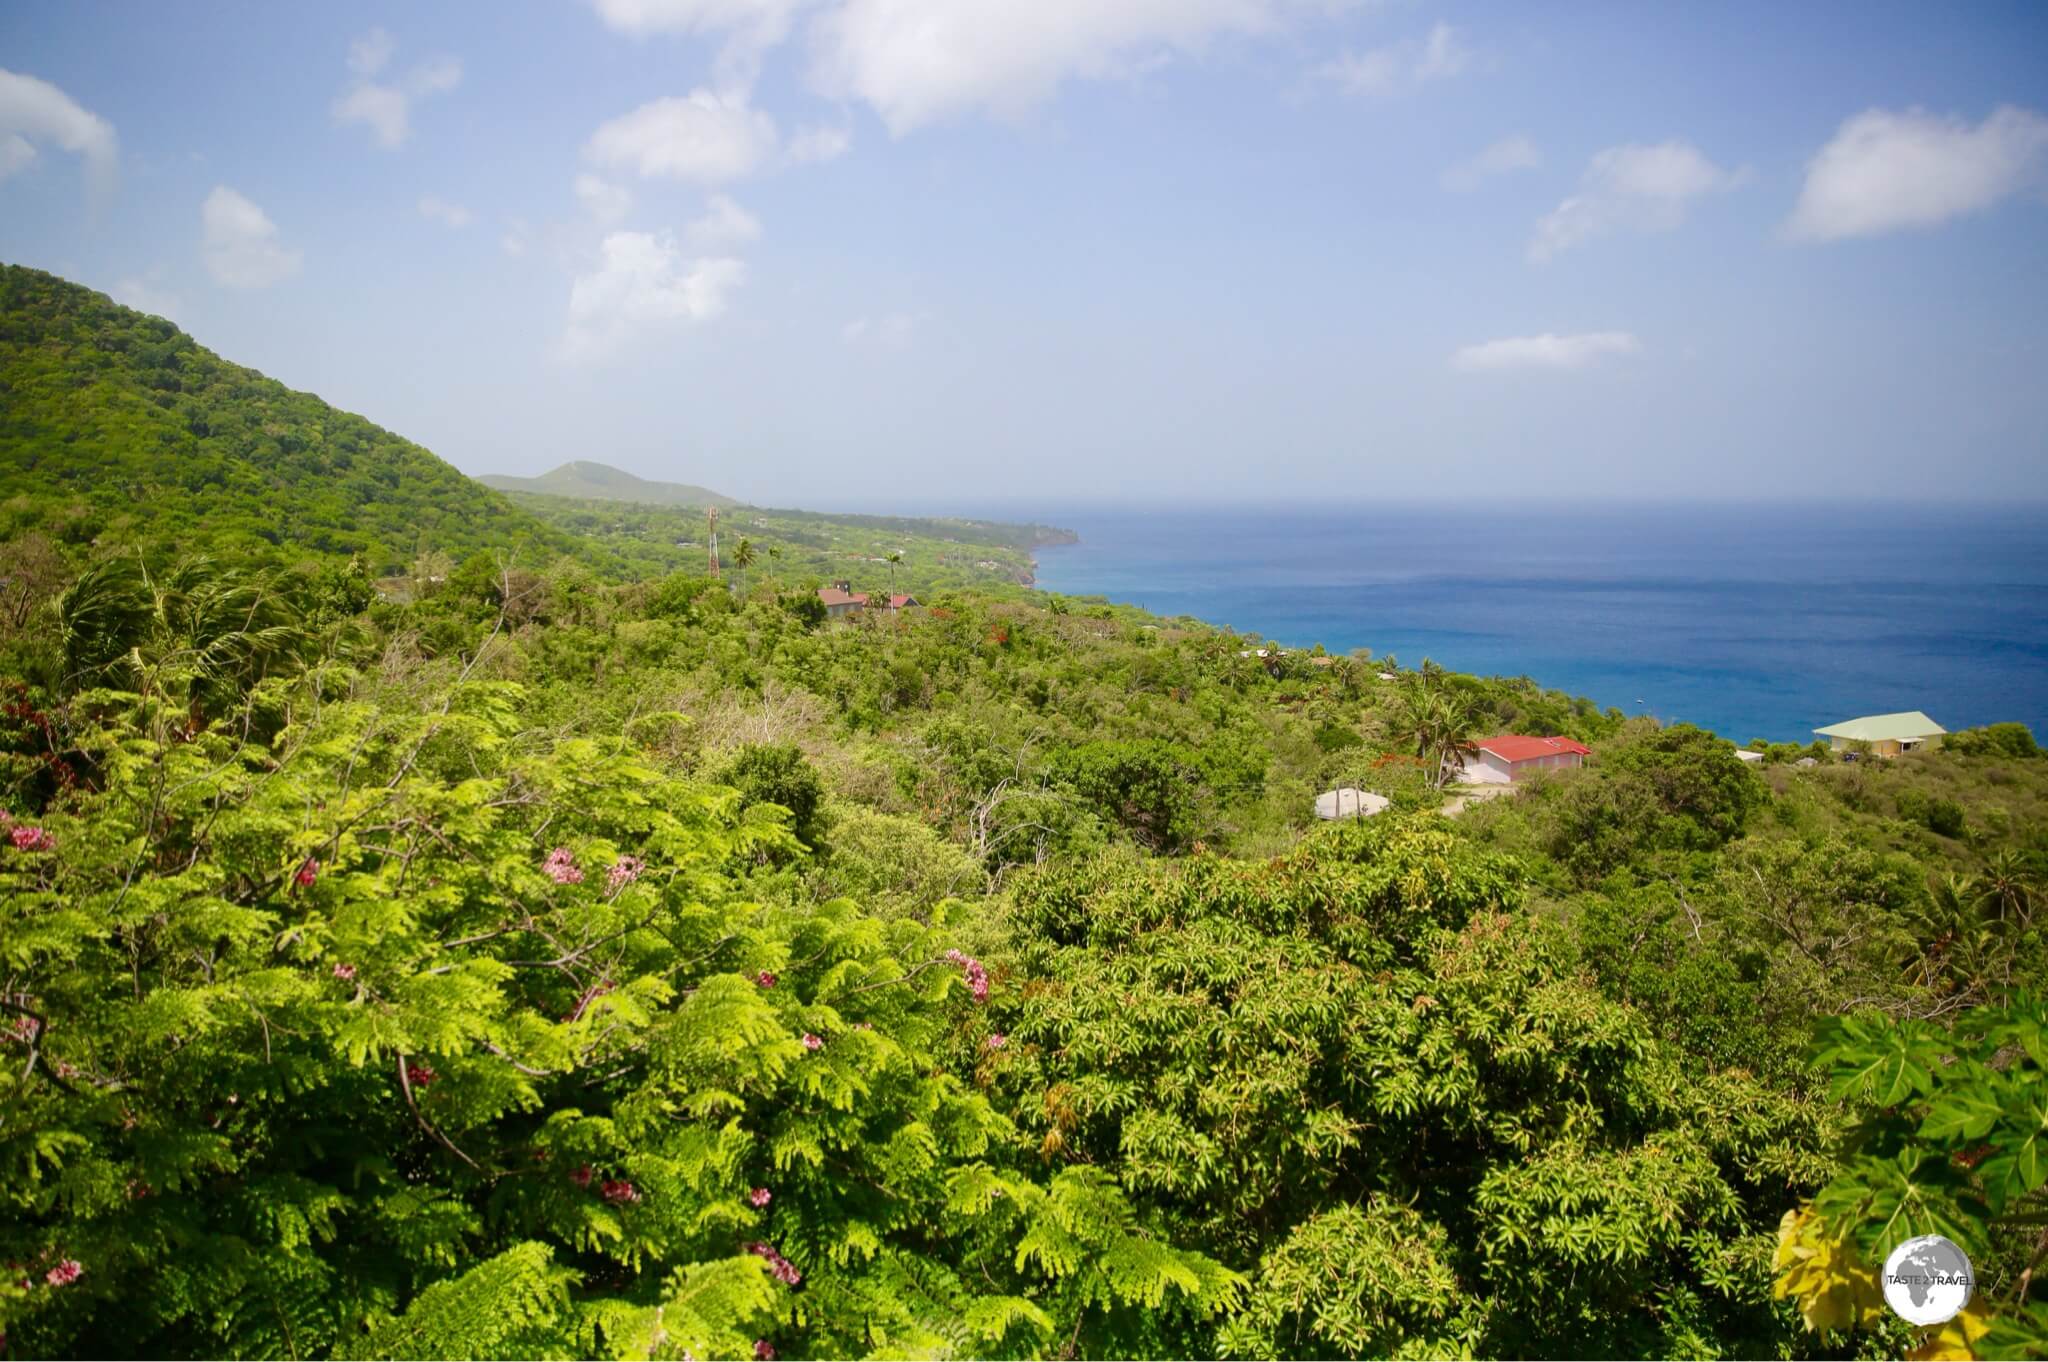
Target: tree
x=742, y=559
x=895, y=558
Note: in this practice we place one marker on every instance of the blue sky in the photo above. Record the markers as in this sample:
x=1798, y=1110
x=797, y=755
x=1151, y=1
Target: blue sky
x=932, y=252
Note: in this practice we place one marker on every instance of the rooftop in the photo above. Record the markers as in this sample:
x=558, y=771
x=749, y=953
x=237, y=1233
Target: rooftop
x=1884, y=728
x=1516, y=747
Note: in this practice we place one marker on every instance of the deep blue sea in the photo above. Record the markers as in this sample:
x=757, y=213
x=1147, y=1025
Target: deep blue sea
x=1754, y=622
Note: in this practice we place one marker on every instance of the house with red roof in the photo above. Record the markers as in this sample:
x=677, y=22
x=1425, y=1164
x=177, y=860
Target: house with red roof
x=839, y=602
x=1512, y=757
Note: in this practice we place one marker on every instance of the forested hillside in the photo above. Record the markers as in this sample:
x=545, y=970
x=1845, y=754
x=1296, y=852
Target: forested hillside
x=549, y=950
x=116, y=426
x=582, y=480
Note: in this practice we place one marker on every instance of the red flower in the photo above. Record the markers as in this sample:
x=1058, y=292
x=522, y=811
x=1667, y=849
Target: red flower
x=765, y=979
x=811, y=1042
x=619, y=1191
x=581, y=1177
x=760, y=1196
x=419, y=1075
x=342, y=971
x=307, y=873
x=26, y=838
x=997, y=1040
x=974, y=972
x=65, y=1273
x=762, y=1352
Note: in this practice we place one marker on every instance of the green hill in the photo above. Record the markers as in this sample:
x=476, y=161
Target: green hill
x=117, y=427
x=583, y=480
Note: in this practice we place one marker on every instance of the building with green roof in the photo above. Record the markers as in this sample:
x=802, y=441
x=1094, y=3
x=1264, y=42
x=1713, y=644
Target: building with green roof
x=1886, y=735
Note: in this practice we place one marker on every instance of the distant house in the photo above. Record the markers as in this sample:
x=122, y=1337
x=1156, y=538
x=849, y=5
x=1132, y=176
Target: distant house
x=1346, y=802
x=1744, y=754
x=1512, y=756
x=903, y=602
x=1886, y=735
x=839, y=602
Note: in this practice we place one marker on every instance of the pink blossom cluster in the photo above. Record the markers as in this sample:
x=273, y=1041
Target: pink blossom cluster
x=760, y=1196
x=765, y=979
x=624, y=871
x=812, y=1042
x=26, y=838
x=26, y=1028
x=619, y=1191
x=343, y=970
x=973, y=971
x=582, y=1176
x=997, y=1040
x=307, y=872
x=763, y=1352
x=419, y=1075
x=784, y=1270
x=560, y=866
x=65, y=1273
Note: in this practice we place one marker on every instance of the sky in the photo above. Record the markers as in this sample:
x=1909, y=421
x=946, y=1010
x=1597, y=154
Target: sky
x=931, y=253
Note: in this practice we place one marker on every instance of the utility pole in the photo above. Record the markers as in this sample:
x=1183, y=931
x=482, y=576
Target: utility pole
x=712, y=512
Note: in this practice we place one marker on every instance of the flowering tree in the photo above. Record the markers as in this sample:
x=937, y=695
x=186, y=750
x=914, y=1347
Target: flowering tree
x=405, y=1034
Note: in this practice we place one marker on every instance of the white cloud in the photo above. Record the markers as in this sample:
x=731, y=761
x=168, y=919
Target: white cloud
x=442, y=211
x=144, y=296
x=1504, y=157
x=33, y=111
x=513, y=242
x=240, y=245
x=643, y=280
x=386, y=107
x=16, y=154
x=607, y=202
x=1632, y=188
x=725, y=225
x=1889, y=172
x=918, y=61
x=1547, y=351
x=370, y=53
x=890, y=332
x=694, y=16
x=823, y=142
x=703, y=137
x=1400, y=67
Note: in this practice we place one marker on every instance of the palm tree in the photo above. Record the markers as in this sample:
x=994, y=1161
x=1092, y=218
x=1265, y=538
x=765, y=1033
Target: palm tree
x=197, y=630
x=742, y=559
x=893, y=560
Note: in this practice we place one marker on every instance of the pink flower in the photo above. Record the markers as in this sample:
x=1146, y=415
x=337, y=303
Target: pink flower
x=997, y=1040
x=560, y=866
x=419, y=1075
x=811, y=1042
x=307, y=873
x=762, y=1352
x=26, y=838
x=760, y=1196
x=619, y=1191
x=26, y=1028
x=623, y=872
x=973, y=971
x=344, y=971
x=581, y=1177
x=65, y=1273
x=780, y=1267
x=765, y=979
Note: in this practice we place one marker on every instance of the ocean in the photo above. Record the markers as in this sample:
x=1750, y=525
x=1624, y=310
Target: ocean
x=1751, y=621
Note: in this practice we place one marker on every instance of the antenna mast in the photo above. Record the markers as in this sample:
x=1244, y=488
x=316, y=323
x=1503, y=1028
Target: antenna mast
x=712, y=512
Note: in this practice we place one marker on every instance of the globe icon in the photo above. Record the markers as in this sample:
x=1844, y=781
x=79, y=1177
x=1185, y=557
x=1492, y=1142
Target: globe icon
x=1927, y=1280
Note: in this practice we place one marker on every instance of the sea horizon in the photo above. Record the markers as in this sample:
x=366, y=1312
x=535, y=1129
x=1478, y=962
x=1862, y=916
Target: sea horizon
x=1759, y=620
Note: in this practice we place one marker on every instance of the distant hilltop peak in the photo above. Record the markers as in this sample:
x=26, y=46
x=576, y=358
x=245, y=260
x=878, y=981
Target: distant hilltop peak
x=587, y=481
